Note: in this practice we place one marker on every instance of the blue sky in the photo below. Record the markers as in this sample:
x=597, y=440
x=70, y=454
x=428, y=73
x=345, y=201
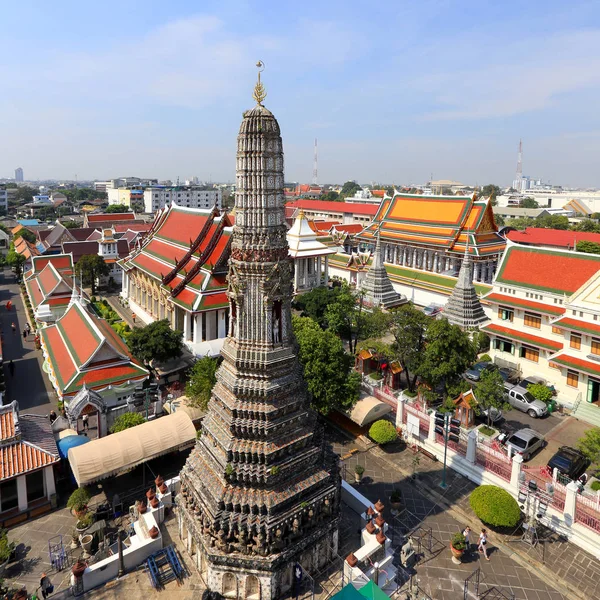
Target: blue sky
x=394, y=91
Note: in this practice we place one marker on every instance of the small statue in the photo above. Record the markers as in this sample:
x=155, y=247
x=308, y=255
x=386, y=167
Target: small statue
x=296, y=527
x=275, y=330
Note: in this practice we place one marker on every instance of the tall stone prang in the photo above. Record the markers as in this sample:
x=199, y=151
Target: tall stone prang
x=463, y=307
x=261, y=489
x=377, y=288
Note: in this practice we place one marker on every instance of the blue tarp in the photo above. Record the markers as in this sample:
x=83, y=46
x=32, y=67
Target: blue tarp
x=70, y=441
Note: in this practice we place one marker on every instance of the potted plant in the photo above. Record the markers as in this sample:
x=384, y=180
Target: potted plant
x=416, y=459
x=396, y=500
x=74, y=539
x=358, y=473
x=84, y=522
x=78, y=501
x=458, y=545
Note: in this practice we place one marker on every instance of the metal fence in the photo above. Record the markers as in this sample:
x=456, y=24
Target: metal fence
x=556, y=491
x=586, y=513
x=493, y=460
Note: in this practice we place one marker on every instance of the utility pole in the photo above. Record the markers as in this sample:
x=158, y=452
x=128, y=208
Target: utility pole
x=315, y=165
x=449, y=428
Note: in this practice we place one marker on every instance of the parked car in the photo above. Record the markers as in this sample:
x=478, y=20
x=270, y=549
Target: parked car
x=474, y=373
x=432, y=310
x=569, y=462
x=532, y=380
x=519, y=398
x=525, y=442
x=495, y=415
x=509, y=375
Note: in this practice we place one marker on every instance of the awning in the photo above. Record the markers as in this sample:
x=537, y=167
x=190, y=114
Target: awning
x=120, y=452
x=547, y=309
x=182, y=404
x=577, y=325
x=577, y=364
x=521, y=336
x=367, y=410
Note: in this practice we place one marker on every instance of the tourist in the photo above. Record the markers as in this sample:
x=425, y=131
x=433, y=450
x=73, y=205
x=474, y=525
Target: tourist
x=11, y=368
x=13, y=327
x=483, y=543
x=53, y=416
x=466, y=533
x=28, y=327
x=24, y=334
x=46, y=585
x=86, y=425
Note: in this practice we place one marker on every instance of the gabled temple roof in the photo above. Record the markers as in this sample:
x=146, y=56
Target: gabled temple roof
x=83, y=349
x=50, y=280
x=443, y=221
x=537, y=236
x=187, y=251
x=303, y=242
x=551, y=270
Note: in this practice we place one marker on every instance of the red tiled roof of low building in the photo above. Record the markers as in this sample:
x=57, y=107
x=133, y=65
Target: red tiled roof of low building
x=561, y=238
x=336, y=207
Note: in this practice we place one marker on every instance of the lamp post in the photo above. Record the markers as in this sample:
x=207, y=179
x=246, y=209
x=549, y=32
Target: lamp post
x=449, y=428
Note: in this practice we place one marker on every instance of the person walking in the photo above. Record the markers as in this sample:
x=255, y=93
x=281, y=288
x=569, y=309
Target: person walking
x=483, y=543
x=11, y=368
x=13, y=327
x=24, y=334
x=28, y=327
x=46, y=585
x=86, y=424
x=466, y=533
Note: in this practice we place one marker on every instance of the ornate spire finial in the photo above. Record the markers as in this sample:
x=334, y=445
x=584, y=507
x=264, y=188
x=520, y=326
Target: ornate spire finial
x=259, y=89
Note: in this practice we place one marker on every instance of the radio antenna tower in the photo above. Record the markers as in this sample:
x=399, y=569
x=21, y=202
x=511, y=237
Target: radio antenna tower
x=315, y=170
x=519, y=176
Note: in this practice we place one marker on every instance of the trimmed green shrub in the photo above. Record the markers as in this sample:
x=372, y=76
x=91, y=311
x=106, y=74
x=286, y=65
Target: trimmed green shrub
x=494, y=506
x=540, y=392
x=383, y=432
x=595, y=485
x=359, y=470
x=485, y=358
x=78, y=499
x=127, y=420
x=6, y=547
x=459, y=541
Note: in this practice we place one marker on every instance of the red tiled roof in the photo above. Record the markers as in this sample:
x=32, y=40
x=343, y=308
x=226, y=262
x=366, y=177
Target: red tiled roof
x=559, y=238
x=577, y=325
x=322, y=225
x=7, y=425
x=521, y=336
x=98, y=217
x=349, y=228
x=138, y=227
x=578, y=364
x=22, y=457
x=369, y=210
x=60, y=262
x=378, y=193
x=212, y=301
x=182, y=226
x=79, y=336
x=525, y=304
x=555, y=271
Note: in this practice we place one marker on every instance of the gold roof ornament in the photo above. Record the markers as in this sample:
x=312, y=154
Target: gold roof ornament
x=259, y=89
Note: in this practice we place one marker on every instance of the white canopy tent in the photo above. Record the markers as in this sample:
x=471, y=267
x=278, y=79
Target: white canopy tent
x=368, y=409
x=122, y=451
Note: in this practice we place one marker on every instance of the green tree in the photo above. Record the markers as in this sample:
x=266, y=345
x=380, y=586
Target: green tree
x=70, y=224
x=540, y=392
x=589, y=444
x=91, y=267
x=587, y=225
x=117, y=208
x=332, y=196
x=529, y=203
x=492, y=191
x=314, y=303
x=349, y=189
x=390, y=190
x=26, y=234
x=127, y=420
x=409, y=328
x=588, y=247
x=332, y=384
x=347, y=317
x=519, y=223
x=15, y=261
x=448, y=352
x=156, y=342
x=552, y=222
x=499, y=219
x=203, y=377
x=490, y=393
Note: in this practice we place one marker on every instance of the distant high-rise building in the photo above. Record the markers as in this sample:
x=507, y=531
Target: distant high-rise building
x=518, y=181
x=18, y=174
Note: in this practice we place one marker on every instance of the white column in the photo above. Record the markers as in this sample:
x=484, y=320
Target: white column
x=22, y=492
x=326, y=270
x=517, y=462
x=570, y=503
x=198, y=328
x=400, y=410
x=222, y=332
x=472, y=446
x=49, y=479
x=186, y=326
x=431, y=433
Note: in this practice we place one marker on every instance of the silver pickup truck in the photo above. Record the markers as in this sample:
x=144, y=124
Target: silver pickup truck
x=518, y=397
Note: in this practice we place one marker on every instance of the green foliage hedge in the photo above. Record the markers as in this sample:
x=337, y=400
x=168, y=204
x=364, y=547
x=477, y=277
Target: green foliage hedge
x=127, y=420
x=495, y=506
x=383, y=432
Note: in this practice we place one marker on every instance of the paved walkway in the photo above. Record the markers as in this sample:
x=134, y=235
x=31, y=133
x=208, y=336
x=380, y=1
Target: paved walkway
x=29, y=385
x=570, y=571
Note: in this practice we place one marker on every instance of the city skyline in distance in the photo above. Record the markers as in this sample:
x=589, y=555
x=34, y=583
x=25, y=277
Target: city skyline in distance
x=393, y=95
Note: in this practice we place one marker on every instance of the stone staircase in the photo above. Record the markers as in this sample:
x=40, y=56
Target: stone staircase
x=590, y=413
